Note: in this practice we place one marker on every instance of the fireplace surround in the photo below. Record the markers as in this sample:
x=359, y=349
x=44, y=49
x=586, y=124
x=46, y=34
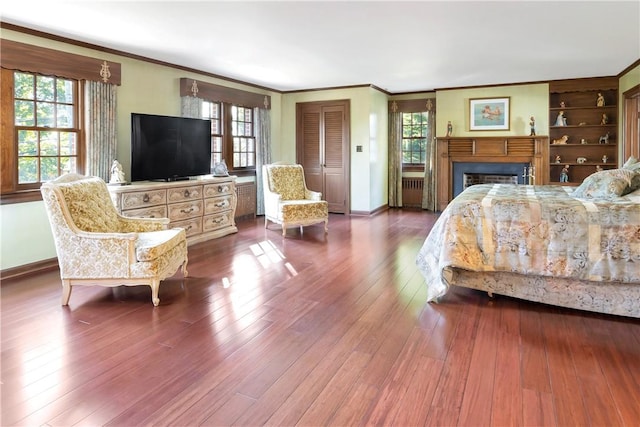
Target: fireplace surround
x=488, y=155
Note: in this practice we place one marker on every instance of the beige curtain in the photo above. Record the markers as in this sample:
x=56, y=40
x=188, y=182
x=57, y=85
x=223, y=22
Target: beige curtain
x=263, y=151
x=191, y=106
x=101, y=128
x=395, y=157
x=429, y=189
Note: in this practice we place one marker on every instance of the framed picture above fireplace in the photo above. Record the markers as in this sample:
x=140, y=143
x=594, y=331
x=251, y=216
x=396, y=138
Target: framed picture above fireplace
x=489, y=114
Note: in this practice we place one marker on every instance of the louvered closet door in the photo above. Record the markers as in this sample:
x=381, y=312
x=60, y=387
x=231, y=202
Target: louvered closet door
x=323, y=150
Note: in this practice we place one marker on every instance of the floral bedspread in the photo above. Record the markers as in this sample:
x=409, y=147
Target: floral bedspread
x=533, y=230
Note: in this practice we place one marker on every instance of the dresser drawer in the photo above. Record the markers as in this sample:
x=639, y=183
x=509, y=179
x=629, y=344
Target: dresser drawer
x=159, y=211
x=139, y=199
x=219, y=189
x=191, y=226
x=217, y=204
x=180, y=211
x=216, y=221
x=182, y=194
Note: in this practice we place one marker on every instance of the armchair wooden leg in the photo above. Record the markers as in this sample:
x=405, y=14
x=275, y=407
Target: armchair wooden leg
x=326, y=226
x=66, y=292
x=185, y=273
x=155, y=288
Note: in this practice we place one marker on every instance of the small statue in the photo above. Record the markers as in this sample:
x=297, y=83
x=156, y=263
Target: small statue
x=220, y=169
x=532, y=125
x=604, y=159
x=560, y=141
x=561, y=120
x=564, y=174
x=562, y=104
x=558, y=160
x=604, y=120
x=449, y=128
x=600, y=100
x=604, y=139
x=599, y=168
x=117, y=174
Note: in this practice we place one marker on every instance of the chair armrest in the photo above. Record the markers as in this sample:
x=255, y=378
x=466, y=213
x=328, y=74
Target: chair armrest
x=312, y=195
x=94, y=254
x=271, y=202
x=139, y=225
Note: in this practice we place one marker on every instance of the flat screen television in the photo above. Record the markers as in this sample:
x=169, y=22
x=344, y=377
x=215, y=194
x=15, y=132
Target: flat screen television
x=165, y=148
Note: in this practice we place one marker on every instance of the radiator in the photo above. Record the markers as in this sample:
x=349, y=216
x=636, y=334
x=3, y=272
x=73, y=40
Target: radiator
x=412, y=192
x=246, y=193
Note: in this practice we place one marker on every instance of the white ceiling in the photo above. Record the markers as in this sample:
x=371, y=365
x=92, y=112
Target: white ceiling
x=395, y=45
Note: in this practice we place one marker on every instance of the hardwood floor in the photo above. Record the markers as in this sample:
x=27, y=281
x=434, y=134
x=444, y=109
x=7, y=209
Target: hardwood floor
x=310, y=330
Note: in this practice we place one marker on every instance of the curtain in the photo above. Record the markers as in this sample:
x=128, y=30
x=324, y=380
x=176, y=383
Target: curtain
x=395, y=157
x=102, y=140
x=263, y=151
x=429, y=189
x=191, y=106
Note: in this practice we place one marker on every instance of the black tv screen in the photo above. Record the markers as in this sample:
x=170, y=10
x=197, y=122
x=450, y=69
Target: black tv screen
x=169, y=148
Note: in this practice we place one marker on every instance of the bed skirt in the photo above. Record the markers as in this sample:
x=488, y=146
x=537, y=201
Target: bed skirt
x=617, y=298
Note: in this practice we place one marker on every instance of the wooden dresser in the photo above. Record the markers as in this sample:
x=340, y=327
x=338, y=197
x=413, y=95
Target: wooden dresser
x=204, y=207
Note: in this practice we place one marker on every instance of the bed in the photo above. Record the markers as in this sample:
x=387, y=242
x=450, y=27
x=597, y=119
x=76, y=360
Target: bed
x=559, y=245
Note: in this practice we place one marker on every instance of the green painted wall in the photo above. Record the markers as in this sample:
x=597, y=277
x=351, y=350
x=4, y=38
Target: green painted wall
x=525, y=101
x=24, y=230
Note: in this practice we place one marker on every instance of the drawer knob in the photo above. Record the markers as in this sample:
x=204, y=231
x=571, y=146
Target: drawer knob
x=145, y=198
x=220, y=188
x=186, y=193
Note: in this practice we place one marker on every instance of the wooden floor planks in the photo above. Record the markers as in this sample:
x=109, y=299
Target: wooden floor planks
x=310, y=330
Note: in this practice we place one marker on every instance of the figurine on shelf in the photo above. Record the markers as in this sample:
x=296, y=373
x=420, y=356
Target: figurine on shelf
x=564, y=174
x=558, y=160
x=604, y=120
x=532, y=125
x=604, y=139
x=449, y=128
x=599, y=168
x=581, y=160
x=560, y=141
x=583, y=141
x=561, y=120
x=117, y=174
x=604, y=159
x=562, y=104
x=600, y=100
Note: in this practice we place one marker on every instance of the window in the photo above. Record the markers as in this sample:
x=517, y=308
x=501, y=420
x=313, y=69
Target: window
x=414, y=139
x=46, y=127
x=232, y=134
x=213, y=112
x=244, y=141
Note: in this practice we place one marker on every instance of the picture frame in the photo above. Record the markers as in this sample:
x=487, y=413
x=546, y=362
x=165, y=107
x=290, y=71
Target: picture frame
x=489, y=113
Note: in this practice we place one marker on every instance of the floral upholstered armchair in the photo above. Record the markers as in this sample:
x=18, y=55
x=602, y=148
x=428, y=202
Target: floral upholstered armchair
x=97, y=246
x=288, y=201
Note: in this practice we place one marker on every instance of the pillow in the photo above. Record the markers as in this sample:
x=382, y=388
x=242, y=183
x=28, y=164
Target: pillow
x=607, y=184
x=634, y=165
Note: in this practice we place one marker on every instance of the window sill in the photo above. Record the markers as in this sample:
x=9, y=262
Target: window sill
x=20, y=197
x=412, y=168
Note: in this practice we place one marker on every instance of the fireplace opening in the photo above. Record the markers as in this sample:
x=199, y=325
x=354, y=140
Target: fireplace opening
x=470, y=179
x=514, y=172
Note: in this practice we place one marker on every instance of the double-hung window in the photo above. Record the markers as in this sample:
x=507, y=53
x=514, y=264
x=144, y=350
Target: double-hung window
x=232, y=134
x=47, y=134
x=415, y=132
